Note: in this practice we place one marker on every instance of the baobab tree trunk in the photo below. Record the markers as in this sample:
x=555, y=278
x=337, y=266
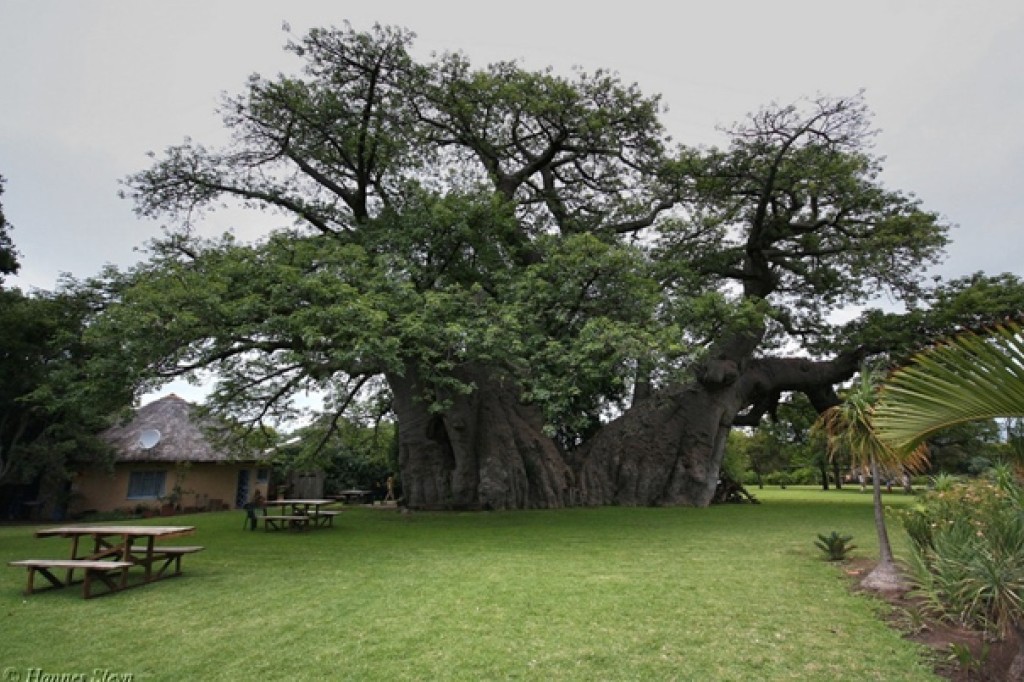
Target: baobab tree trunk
x=665, y=450
x=668, y=449
x=485, y=451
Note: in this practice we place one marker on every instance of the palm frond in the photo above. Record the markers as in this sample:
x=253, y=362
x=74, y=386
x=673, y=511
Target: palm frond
x=849, y=428
x=971, y=377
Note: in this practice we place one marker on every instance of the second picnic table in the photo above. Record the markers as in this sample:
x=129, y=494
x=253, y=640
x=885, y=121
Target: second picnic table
x=298, y=514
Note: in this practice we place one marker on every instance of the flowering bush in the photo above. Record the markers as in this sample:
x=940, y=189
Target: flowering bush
x=967, y=559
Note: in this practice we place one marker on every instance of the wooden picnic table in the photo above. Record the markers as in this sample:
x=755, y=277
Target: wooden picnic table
x=113, y=551
x=348, y=496
x=298, y=514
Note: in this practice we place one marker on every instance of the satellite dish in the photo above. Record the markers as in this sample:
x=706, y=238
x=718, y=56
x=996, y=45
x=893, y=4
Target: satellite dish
x=149, y=438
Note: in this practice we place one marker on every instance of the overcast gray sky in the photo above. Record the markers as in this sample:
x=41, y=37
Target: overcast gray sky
x=87, y=87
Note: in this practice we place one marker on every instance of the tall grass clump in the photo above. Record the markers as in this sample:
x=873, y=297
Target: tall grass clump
x=967, y=553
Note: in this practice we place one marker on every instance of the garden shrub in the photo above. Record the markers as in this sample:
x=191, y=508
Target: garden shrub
x=750, y=477
x=781, y=478
x=799, y=476
x=967, y=558
x=806, y=476
x=978, y=465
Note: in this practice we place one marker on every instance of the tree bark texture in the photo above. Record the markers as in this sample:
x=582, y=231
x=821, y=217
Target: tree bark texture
x=486, y=451
x=665, y=450
x=885, y=576
x=668, y=449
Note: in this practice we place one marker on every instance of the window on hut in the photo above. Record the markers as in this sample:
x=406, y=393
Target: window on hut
x=146, y=485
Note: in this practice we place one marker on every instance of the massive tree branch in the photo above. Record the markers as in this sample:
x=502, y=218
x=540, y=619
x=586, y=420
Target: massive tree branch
x=766, y=378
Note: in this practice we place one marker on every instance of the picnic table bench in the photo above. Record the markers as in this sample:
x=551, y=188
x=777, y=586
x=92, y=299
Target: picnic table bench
x=113, y=553
x=285, y=521
x=324, y=517
x=168, y=554
x=99, y=569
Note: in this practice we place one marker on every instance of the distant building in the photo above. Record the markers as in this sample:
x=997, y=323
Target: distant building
x=164, y=459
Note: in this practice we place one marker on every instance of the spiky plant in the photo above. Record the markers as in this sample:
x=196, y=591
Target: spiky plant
x=836, y=547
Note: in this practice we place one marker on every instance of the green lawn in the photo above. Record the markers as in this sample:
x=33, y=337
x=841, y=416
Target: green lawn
x=727, y=593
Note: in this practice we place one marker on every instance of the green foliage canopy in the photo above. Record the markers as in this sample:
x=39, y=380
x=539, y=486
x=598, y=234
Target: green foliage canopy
x=447, y=217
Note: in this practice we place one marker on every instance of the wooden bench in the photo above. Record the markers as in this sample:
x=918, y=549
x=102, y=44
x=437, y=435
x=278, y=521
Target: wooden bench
x=283, y=521
x=324, y=518
x=169, y=555
x=94, y=570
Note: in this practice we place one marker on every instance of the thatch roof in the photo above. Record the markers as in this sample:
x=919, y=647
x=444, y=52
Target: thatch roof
x=182, y=437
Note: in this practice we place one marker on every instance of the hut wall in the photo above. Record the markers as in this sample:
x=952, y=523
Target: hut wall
x=205, y=486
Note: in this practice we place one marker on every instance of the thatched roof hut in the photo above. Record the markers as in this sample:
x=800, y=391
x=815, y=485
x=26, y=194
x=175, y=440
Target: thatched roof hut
x=178, y=431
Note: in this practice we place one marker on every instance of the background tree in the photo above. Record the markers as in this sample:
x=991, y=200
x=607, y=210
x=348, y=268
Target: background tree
x=352, y=455
x=805, y=454
x=355, y=451
x=9, y=264
x=506, y=256
x=760, y=453
x=1012, y=448
x=56, y=393
x=969, y=448
x=781, y=448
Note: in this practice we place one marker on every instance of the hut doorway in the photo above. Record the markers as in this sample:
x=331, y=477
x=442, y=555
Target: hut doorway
x=242, y=489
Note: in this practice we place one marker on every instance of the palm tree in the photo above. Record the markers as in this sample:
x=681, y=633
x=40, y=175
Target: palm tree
x=971, y=377
x=850, y=431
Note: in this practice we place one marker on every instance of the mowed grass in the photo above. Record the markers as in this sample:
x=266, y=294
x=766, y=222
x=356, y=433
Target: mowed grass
x=727, y=593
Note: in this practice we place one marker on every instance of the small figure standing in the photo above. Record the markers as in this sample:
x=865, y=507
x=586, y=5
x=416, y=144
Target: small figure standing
x=390, y=497
x=250, y=510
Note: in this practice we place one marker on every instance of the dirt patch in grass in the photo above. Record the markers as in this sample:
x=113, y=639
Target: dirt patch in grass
x=959, y=654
